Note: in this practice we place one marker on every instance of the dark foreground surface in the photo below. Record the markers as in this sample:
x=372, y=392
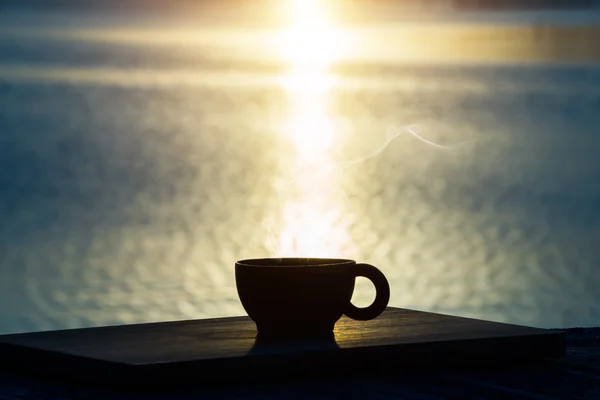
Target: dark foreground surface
x=576, y=376
x=227, y=351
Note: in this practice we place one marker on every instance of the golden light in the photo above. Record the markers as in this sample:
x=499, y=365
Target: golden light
x=311, y=39
x=310, y=128
x=310, y=45
x=311, y=231
x=310, y=210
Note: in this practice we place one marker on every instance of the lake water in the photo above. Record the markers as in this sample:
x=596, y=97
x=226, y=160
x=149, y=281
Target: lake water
x=137, y=164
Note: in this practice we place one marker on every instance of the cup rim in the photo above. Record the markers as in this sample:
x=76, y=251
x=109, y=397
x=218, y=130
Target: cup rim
x=303, y=262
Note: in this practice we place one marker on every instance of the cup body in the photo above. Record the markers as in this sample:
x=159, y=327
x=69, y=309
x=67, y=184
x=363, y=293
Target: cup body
x=295, y=296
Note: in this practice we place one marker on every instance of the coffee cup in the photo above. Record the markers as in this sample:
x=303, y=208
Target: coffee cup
x=305, y=296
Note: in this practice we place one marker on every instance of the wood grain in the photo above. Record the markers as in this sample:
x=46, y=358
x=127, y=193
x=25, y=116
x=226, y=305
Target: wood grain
x=226, y=349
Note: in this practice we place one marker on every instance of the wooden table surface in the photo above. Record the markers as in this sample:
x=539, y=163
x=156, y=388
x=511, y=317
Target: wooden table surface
x=576, y=376
x=227, y=351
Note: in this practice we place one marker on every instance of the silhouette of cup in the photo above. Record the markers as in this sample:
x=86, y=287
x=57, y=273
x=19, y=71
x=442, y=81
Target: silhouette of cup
x=305, y=296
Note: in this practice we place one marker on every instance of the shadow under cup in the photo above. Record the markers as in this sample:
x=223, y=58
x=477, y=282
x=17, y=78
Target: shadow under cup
x=305, y=296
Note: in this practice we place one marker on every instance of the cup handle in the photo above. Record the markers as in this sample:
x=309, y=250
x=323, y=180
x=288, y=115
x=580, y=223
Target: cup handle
x=382, y=296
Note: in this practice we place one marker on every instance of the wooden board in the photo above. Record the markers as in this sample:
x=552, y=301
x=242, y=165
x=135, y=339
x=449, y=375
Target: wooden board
x=225, y=350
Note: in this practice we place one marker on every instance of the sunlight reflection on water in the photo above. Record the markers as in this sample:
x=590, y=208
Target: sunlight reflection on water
x=133, y=176
x=309, y=217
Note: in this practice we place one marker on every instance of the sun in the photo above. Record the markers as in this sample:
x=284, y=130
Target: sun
x=311, y=38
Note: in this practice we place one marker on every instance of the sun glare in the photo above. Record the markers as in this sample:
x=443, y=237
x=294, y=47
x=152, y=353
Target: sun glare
x=310, y=210
x=311, y=38
x=309, y=47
